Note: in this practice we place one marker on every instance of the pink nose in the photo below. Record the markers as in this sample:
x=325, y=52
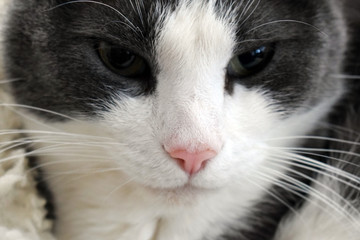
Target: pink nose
x=192, y=162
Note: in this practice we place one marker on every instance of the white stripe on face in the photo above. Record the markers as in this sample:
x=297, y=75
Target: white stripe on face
x=193, y=49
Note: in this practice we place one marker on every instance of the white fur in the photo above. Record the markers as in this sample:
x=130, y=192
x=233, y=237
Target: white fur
x=22, y=209
x=324, y=217
x=147, y=195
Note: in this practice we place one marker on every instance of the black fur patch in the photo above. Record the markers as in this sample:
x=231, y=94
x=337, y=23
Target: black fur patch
x=61, y=71
x=43, y=188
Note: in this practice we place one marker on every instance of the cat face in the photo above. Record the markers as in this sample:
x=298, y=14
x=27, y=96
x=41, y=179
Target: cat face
x=191, y=93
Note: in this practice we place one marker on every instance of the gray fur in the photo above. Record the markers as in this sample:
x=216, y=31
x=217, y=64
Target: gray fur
x=50, y=46
x=60, y=64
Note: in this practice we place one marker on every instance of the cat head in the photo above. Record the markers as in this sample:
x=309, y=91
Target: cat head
x=199, y=93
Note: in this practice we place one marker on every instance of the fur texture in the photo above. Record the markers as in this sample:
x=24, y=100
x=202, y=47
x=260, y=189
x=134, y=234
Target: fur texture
x=102, y=139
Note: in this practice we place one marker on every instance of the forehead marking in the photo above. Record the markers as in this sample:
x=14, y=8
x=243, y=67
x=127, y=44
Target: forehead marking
x=194, y=35
x=194, y=47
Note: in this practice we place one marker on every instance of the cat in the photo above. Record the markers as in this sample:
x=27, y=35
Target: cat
x=190, y=120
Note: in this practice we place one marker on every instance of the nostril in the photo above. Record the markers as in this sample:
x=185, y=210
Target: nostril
x=192, y=162
x=191, y=167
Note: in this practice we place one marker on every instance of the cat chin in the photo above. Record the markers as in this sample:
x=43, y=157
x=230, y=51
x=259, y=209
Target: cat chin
x=185, y=195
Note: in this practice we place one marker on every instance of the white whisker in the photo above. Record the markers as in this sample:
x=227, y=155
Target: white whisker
x=343, y=152
x=338, y=160
x=119, y=187
x=13, y=105
x=345, y=76
x=52, y=133
x=291, y=188
x=314, y=166
x=246, y=8
x=247, y=18
x=89, y=159
x=76, y=176
x=10, y=81
x=318, y=183
x=274, y=195
x=288, y=21
x=130, y=24
x=322, y=197
x=340, y=129
x=315, y=138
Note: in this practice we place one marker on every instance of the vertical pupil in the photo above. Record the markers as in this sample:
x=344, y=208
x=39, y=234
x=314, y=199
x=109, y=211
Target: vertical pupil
x=120, y=59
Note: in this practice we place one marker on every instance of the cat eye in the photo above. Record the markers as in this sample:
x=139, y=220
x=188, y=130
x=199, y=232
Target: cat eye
x=251, y=62
x=121, y=61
